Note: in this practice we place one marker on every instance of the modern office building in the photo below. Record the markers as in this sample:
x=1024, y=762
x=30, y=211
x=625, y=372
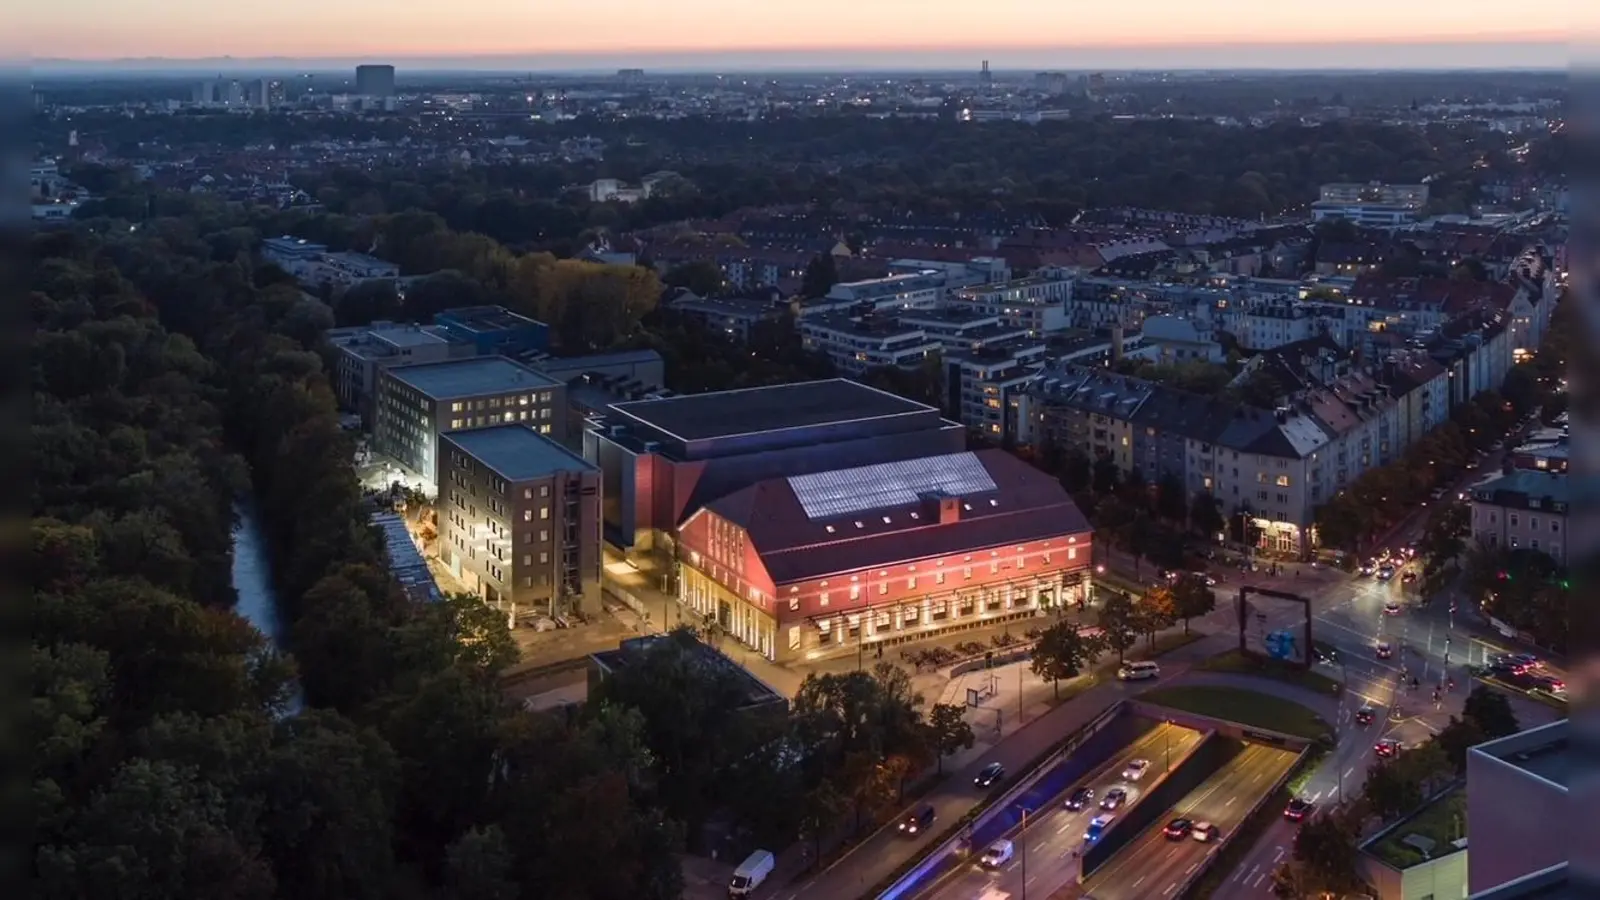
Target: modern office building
x=519, y=519
x=802, y=565
x=360, y=351
x=494, y=329
x=1376, y=205
x=1518, y=806
x=1523, y=510
x=375, y=81
x=413, y=405
x=663, y=459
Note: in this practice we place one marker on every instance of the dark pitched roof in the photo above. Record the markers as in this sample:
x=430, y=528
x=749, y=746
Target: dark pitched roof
x=1025, y=505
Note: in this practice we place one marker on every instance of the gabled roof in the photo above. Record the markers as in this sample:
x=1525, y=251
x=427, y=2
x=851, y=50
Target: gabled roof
x=1007, y=502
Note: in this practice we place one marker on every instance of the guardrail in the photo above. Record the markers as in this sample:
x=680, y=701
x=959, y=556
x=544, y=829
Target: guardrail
x=957, y=835
x=1210, y=858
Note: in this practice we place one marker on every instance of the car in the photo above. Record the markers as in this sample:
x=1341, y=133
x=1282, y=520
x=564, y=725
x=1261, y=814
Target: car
x=1178, y=829
x=1387, y=748
x=988, y=775
x=1367, y=568
x=1139, y=671
x=1384, y=649
x=1298, y=809
x=1136, y=769
x=1114, y=798
x=1205, y=832
x=1097, y=827
x=919, y=820
x=998, y=854
x=1549, y=684
x=1391, y=608
x=1408, y=577
x=1514, y=661
x=1385, y=573
x=1365, y=715
x=1325, y=653
x=1080, y=798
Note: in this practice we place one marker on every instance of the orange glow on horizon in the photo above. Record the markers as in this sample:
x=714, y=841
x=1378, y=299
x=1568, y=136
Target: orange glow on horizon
x=308, y=29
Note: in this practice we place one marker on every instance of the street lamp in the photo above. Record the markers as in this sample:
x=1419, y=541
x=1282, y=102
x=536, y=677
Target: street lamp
x=1022, y=838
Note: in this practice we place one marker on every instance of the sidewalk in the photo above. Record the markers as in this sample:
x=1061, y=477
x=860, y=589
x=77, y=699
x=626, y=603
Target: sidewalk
x=878, y=856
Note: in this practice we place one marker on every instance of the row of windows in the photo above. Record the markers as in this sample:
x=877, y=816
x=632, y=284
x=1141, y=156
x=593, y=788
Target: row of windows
x=509, y=416
x=499, y=402
x=939, y=578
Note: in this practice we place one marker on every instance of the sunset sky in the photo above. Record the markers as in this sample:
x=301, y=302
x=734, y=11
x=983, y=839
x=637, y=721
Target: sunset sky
x=828, y=31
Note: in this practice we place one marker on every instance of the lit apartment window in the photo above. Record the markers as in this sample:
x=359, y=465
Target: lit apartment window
x=823, y=599
x=855, y=592
x=527, y=515
x=1283, y=481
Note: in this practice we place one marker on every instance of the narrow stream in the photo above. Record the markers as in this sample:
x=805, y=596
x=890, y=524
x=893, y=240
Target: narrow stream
x=252, y=579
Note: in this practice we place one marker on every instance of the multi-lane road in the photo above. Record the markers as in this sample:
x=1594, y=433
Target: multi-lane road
x=1155, y=866
x=1045, y=857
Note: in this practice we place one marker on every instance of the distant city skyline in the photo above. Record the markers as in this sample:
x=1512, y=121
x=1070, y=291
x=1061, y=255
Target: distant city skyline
x=821, y=34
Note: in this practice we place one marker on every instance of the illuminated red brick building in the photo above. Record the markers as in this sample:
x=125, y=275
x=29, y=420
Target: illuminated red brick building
x=797, y=566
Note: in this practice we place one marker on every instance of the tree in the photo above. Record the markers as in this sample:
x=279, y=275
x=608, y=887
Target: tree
x=1443, y=539
x=1456, y=738
x=1325, y=849
x=1192, y=598
x=1205, y=514
x=821, y=274
x=1062, y=652
x=1490, y=710
x=1390, y=790
x=949, y=731
x=821, y=808
x=478, y=866
x=700, y=276
x=1155, y=610
x=1172, y=502
x=1107, y=476
x=1118, y=623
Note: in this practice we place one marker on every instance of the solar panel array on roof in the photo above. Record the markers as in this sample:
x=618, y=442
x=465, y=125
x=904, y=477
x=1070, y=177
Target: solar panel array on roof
x=844, y=491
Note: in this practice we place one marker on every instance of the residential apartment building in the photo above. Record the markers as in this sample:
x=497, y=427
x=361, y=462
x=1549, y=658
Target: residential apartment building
x=1522, y=510
x=894, y=293
x=985, y=386
x=415, y=404
x=1271, y=466
x=1180, y=340
x=1374, y=205
x=734, y=317
x=519, y=519
x=1038, y=305
x=858, y=344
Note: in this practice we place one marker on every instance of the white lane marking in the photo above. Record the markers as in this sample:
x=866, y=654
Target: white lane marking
x=1169, y=890
x=1230, y=801
x=1141, y=880
x=1350, y=771
x=1190, y=870
x=1254, y=871
x=1259, y=878
x=1315, y=797
x=1278, y=855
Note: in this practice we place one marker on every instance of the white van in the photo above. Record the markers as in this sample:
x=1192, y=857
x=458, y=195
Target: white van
x=751, y=873
x=1139, y=671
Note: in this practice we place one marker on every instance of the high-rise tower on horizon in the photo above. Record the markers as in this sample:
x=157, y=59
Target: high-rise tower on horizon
x=985, y=77
x=375, y=81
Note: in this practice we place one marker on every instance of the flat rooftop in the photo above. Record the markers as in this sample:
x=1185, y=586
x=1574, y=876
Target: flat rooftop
x=699, y=417
x=471, y=377
x=517, y=452
x=1543, y=752
x=1437, y=829
x=486, y=318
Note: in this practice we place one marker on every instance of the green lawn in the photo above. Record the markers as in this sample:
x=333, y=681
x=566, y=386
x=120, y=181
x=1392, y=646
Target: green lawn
x=1234, y=661
x=1249, y=708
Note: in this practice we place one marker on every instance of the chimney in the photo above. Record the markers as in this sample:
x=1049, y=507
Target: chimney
x=948, y=508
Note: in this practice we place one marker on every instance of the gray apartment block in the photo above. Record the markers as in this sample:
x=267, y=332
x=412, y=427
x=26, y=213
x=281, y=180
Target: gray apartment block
x=1518, y=805
x=519, y=519
x=413, y=405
